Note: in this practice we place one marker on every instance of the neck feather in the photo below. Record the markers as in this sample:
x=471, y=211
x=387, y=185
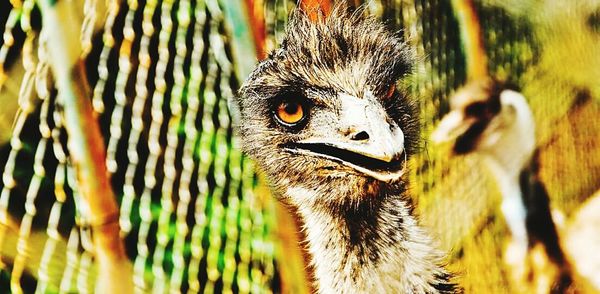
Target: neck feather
x=374, y=246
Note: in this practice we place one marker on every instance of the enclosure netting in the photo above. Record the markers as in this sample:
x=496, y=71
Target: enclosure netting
x=162, y=72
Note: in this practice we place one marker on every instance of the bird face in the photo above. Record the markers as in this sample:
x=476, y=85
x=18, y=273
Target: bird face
x=354, y=134
x=474, y=119
x=326, y=111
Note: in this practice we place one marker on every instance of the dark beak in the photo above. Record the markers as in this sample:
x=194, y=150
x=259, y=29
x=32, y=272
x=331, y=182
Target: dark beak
x=453, y=125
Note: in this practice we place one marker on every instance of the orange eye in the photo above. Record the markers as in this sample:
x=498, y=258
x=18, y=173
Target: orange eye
x=390, y=91
x=290, y=112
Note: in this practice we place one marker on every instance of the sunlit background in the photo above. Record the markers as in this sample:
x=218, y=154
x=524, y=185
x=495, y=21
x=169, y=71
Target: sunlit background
x=194, y=214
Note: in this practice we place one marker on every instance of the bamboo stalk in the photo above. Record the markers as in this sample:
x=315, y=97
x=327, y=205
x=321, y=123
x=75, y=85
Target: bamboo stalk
x=471, y=38
x=86, y=147
x=243, y=34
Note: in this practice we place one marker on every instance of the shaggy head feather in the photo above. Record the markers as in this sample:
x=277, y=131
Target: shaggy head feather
x=320, y=63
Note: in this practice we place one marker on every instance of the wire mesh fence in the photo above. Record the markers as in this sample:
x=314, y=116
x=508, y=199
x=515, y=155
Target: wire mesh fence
x=161, y=74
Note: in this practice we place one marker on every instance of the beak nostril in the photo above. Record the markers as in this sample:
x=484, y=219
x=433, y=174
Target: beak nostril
x=360, y=136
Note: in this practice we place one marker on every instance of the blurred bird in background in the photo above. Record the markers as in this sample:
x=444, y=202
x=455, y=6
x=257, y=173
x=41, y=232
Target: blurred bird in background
x=497, y=123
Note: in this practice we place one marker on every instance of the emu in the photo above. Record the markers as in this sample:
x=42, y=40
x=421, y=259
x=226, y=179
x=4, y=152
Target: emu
x=326, y=119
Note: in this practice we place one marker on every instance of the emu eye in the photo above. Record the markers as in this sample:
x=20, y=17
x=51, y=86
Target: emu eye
x=290, y=113
x=391, y=90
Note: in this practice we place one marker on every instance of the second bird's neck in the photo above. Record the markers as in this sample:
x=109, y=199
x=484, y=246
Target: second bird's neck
x=373, y=246
x=508, y=157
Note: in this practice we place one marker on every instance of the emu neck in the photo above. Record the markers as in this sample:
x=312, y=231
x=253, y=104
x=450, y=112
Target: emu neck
x=368, y=248
x=508, y=158
x=506, y=161
x=513, y=206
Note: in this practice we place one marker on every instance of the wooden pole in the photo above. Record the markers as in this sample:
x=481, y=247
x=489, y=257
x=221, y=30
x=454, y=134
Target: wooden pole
x=472, y=39
x=86, y=147
x=256, y=18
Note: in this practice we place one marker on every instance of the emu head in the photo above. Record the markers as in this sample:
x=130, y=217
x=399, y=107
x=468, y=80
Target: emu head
x=473, y=116
x=327, y=110
x=487, y=117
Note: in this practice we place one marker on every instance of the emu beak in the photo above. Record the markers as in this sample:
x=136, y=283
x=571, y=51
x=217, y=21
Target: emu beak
x=364, y=139
x=452, y=125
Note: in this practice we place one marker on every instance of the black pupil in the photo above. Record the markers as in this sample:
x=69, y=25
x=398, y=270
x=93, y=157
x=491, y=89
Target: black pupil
x=290, y=107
